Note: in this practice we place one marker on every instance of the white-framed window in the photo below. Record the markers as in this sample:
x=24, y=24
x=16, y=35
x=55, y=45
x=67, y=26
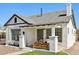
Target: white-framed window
x=48, y=33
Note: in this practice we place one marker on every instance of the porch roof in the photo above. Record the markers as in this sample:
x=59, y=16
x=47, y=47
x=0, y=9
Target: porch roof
x=43, y=24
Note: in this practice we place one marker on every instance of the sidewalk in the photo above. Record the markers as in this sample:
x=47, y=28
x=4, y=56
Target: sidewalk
x=20, y=52
x=6, y=49
x=74, y=50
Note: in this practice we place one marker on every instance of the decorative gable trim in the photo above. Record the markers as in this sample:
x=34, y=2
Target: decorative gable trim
x=25, y=22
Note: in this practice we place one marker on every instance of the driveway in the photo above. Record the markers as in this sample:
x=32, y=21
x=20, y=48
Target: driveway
x=74, y=50
x=5, y=49
x=2, y=41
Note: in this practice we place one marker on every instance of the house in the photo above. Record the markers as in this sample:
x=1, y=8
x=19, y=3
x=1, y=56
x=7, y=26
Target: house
x=2, y=35
x=59, y=25
x=77, y=35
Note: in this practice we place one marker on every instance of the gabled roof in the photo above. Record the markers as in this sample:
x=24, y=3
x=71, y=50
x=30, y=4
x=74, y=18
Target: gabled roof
x=18, y=17
x=52, y=17
x=47, y=18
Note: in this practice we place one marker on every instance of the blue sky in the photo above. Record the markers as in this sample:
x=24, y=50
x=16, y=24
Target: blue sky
x=28, y=9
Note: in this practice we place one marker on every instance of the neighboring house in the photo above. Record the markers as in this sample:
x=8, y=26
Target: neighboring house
x=40, y=27
x=2, y=35
x=77, y=34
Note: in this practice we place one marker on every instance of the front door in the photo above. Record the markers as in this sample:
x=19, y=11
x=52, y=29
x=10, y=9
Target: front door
x=39, y=34
x=58, y=32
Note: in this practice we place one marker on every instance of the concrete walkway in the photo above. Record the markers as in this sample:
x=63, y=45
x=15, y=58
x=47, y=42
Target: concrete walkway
x=5, y=49
x=18, y=52
x=74, y=50
x=21, y=51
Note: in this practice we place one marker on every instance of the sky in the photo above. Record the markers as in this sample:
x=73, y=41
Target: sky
x=29, y=9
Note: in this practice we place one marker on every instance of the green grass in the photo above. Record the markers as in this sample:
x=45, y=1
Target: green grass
x=43, y=53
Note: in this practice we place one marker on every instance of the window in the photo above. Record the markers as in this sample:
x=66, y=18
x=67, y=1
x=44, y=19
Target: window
x=15, y=20
x=15, y=34
x=40, y=34
x=58, y=32
x=48, y=33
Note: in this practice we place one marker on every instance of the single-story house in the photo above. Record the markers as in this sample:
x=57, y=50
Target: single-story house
x=77, y=34
x=2, y=35
x=26, y=30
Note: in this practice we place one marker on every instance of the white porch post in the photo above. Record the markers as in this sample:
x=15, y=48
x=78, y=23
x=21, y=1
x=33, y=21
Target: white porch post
x=22, y=39
x=8, y=36
x=53, y=31
x=44, y=32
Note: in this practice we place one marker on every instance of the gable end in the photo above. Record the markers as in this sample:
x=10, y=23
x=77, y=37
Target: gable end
x=25, y=22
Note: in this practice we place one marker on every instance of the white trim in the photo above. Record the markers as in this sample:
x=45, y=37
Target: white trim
x=44, y=34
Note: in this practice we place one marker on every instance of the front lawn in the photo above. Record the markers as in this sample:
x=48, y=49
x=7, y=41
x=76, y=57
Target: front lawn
x=43, y=53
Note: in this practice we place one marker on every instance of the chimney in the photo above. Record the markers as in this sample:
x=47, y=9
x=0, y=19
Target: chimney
x=69, y=9
x=41, y=11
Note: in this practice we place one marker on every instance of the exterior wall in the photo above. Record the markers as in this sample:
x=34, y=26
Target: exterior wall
x=30, y=36
x=8, y=36
x=64, y=35
x=71, y=34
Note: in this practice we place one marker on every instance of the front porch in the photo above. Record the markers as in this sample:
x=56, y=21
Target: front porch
x=51, y=37
x=36, y=34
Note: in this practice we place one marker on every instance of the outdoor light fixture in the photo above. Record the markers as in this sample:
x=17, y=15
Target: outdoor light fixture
x=59, y=26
